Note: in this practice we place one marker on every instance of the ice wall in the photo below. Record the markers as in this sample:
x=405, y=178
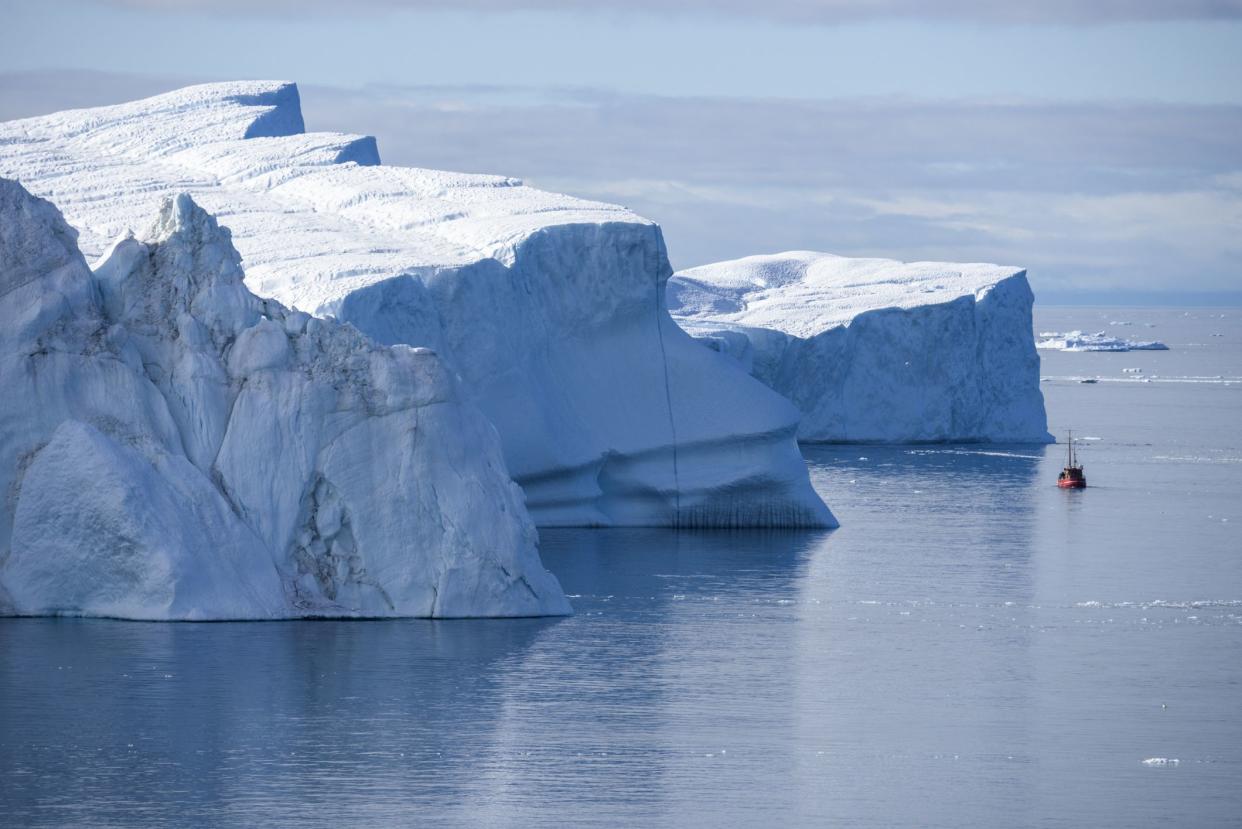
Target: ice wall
x=174, y=447
x=551, y=308
x=872, y=350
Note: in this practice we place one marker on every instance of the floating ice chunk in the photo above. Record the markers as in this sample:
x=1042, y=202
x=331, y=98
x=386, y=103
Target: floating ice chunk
x=1161, y=761
x=1079, y=341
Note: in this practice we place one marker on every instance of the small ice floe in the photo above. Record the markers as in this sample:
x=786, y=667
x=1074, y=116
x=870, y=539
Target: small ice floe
x=1120, y=322
x=1161, y=761
x=1099, y=341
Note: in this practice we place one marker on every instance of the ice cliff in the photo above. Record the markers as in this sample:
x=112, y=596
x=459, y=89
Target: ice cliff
x=873, y=350
x=174, y=447
x=551, y=308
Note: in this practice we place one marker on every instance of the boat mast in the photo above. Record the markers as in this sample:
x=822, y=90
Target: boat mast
x=1069, y=449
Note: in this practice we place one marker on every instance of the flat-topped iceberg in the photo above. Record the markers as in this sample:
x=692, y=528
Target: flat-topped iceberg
x=174, y=447
x=873, y=350
x=551, y=308
x=1099, y=341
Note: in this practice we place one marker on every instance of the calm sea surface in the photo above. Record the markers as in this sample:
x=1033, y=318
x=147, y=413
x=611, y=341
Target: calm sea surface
x=973, y=648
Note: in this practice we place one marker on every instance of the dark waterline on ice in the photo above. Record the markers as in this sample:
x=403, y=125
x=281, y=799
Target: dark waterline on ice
x=973, y=648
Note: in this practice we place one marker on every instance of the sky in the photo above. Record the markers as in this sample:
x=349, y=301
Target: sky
x=1099, y=144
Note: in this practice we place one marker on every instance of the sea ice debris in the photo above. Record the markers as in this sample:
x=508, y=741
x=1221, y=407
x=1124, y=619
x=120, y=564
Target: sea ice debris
x=1099, y=341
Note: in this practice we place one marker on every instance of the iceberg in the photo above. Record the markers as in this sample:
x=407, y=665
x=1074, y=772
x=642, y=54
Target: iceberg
x=173, y=447
x=874, y=350
x=551, y=308
x=1099, y=341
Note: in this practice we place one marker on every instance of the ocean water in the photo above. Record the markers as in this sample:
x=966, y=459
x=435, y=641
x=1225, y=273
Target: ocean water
x=974, y=647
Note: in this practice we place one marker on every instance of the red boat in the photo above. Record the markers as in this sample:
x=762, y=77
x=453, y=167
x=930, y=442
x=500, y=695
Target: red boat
x=1071, y=476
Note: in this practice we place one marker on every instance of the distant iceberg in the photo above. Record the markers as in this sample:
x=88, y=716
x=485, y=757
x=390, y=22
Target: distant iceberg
x=1099, y=341
x=174, y=447
x=873, y=350
x=551, y=308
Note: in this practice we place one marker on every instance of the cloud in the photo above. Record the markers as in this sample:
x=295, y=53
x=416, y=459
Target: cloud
x=789, y=11
x=962, y=145
x=1091, y=197
x=1117, y=196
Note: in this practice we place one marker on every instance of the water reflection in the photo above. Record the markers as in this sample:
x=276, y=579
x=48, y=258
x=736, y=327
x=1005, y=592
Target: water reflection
x=114, y=722
x=933, y=662
x=375, y=722
x=913, y=650
x=678, y=634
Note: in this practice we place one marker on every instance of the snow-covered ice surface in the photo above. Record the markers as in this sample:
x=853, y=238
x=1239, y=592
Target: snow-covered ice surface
x=174, y=447
x=551, y=308
x=1099, y=341
x=874, y=350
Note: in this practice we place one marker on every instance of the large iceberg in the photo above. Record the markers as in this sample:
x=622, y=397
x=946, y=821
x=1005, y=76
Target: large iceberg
x=873, y=350
x=174, y=447
x=551, y=308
